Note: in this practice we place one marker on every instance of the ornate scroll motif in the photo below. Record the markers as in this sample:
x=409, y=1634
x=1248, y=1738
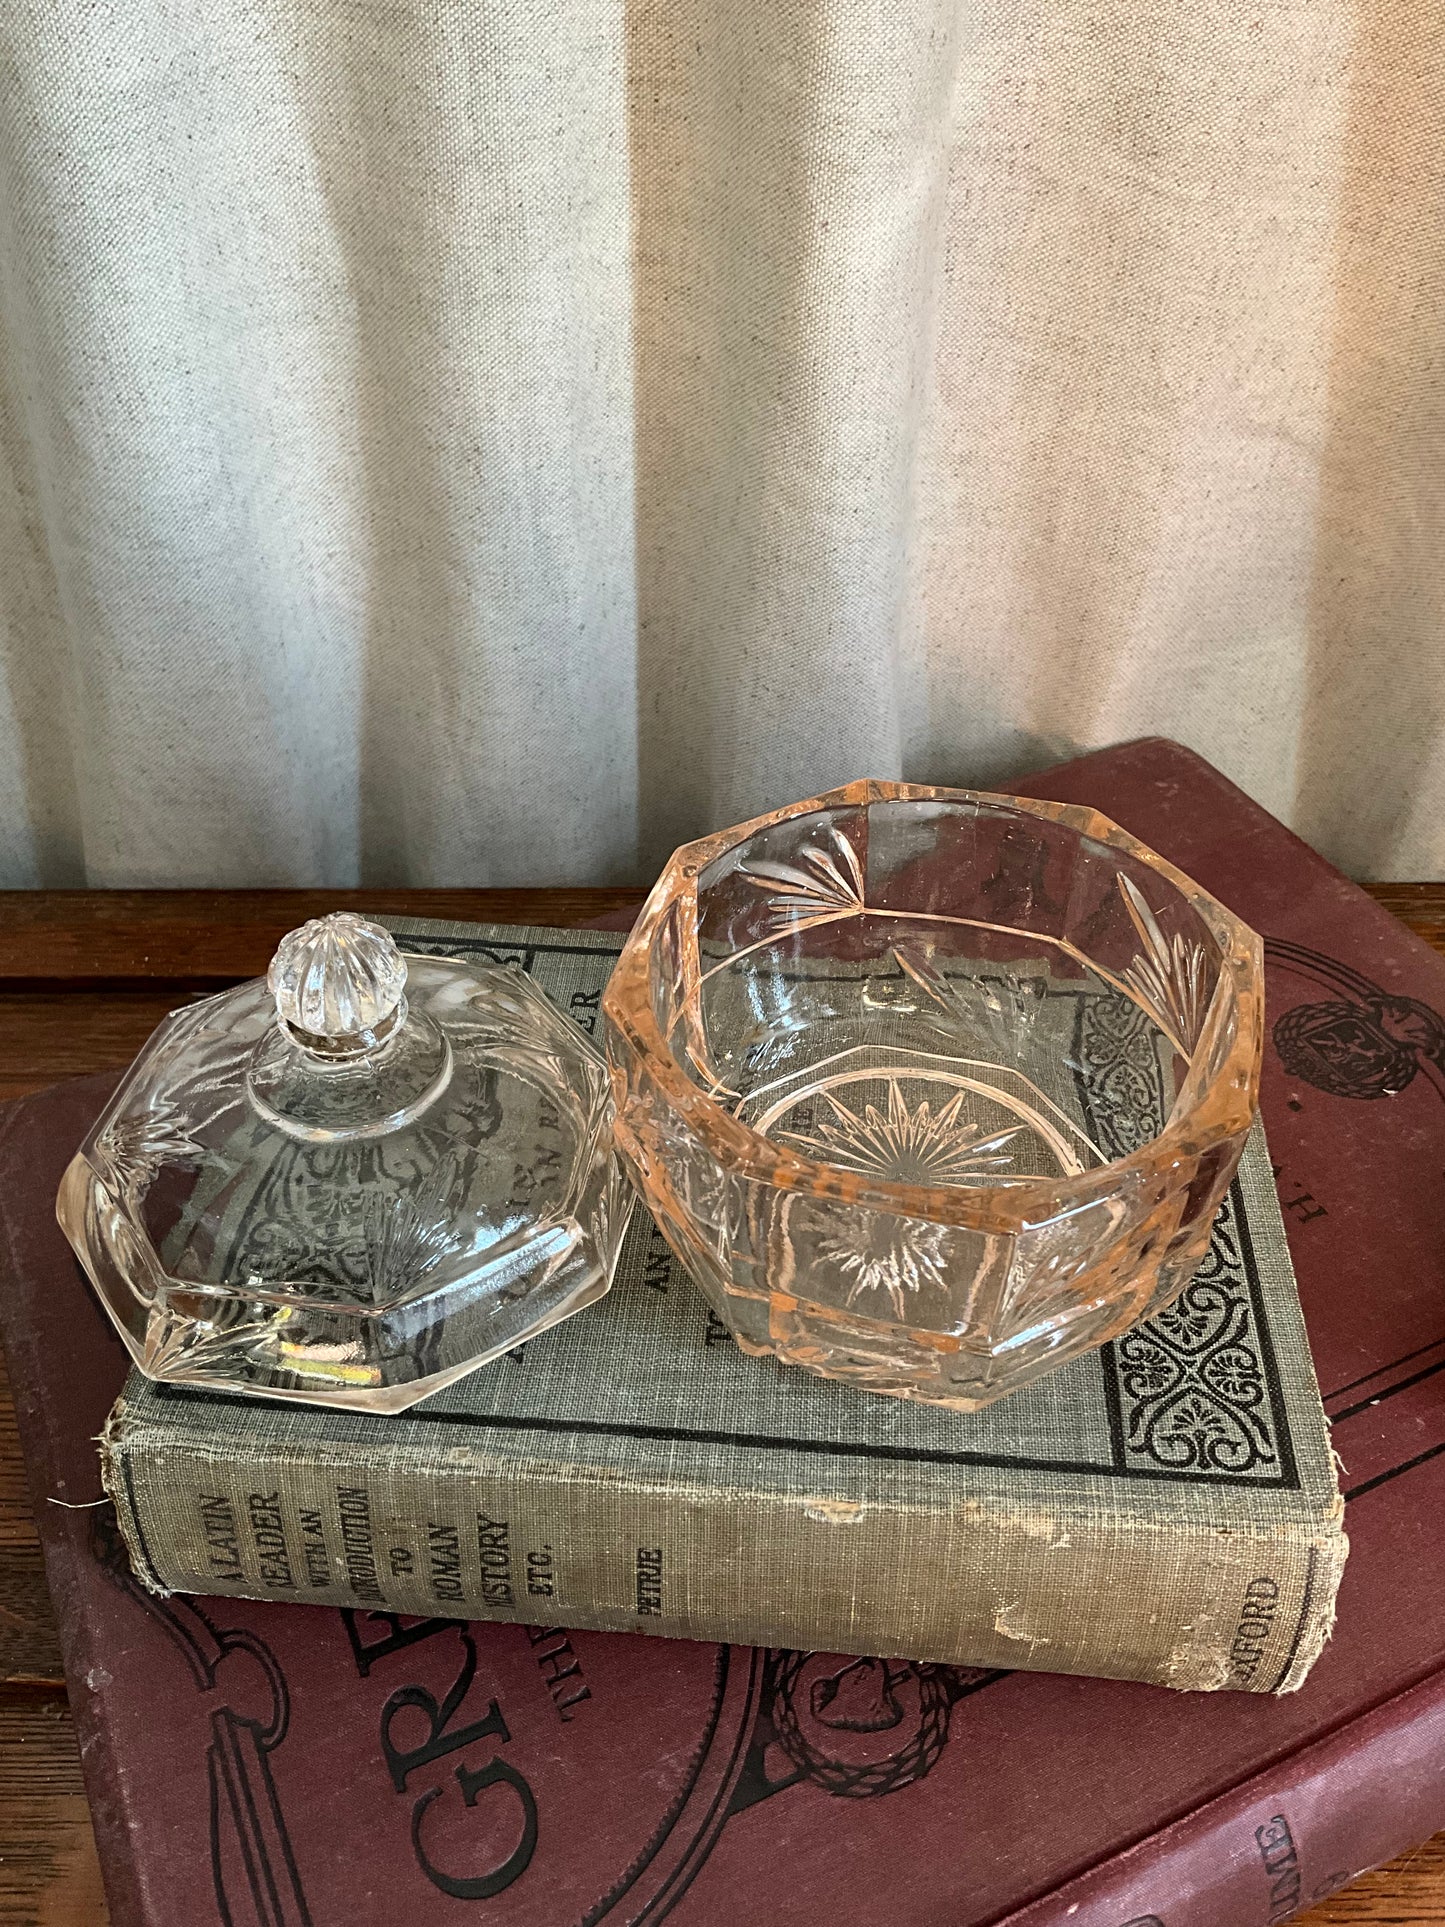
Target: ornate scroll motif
x=1191, y=1386
x=1192, y=1382
x=1116, y=1068
x=1367, y=1043
x=253, y=1861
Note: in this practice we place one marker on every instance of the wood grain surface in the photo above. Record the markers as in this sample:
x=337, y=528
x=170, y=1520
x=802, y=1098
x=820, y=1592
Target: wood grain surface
x=84, y=977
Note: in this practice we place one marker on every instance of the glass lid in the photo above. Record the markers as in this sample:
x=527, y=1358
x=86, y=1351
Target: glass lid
x=352, y=1181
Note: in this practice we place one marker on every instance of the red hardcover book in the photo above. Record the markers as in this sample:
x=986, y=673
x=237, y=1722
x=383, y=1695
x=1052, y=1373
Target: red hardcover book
x=279, y=1766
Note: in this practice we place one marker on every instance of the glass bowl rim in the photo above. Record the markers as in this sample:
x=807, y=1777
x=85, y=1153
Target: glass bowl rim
x=1223, y=1108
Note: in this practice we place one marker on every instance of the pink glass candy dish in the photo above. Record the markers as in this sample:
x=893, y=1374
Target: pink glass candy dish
x=931, y=1090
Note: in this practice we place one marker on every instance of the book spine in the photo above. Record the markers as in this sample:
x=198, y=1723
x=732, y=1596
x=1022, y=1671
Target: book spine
x=1027, y=1586
x=1283, y=1840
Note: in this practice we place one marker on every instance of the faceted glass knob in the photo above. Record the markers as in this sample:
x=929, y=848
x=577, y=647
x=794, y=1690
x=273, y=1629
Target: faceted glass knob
x=338, y=984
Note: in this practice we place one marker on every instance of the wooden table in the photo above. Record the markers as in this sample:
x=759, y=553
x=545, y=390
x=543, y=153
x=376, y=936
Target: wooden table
x=84, y=977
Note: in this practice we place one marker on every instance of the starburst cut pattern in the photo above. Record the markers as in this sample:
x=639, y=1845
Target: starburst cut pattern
x=1168, y=979
x=895, y=1255
x=825, y=881
x=905, y=1145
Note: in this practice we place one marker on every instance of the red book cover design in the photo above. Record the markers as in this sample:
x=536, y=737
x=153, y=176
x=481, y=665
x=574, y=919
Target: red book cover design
x=258, y=1765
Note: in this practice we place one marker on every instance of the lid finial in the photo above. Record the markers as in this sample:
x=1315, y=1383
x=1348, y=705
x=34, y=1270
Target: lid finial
x=338, y=984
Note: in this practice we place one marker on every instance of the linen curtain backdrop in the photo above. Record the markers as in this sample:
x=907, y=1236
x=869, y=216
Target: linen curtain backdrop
x=482, y=441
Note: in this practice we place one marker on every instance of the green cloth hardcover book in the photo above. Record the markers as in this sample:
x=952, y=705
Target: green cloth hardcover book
x=1164, y=1509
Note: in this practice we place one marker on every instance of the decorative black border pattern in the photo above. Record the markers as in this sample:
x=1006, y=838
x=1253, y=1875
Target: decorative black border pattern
x=1195, y=1392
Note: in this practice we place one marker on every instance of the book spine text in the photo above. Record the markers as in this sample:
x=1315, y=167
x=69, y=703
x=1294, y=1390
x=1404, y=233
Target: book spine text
x=1028, y=1585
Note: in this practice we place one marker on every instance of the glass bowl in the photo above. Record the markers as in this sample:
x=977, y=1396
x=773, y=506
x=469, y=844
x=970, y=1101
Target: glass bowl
x=930, y=1090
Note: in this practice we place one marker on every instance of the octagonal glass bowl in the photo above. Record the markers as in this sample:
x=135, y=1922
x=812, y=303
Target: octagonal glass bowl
x=353, y=1182
x=931, y=1090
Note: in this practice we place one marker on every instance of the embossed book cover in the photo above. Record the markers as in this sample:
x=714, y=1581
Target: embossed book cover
x=1162, y=1509
x=266, y=1763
